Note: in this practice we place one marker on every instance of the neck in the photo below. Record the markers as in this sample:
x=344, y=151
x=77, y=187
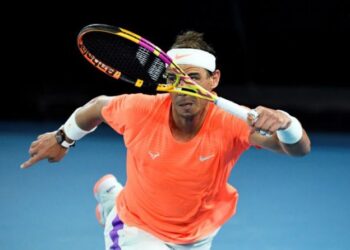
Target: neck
x=184, y=128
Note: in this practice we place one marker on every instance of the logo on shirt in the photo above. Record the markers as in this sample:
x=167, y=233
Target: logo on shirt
x=153, y=155
x=110, y=189
x=206, y=157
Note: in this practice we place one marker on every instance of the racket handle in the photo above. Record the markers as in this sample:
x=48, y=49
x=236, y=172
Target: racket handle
x=239, y=111
x=233, y=108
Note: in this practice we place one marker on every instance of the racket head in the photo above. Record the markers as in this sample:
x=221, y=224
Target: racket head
x=124, y=55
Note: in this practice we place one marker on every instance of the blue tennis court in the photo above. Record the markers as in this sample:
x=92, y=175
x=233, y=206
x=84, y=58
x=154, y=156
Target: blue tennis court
x=285, y=203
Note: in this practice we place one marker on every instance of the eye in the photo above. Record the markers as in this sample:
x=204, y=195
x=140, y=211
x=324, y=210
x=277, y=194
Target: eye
x=195, y=77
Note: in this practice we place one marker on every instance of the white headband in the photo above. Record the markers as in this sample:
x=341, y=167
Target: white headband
x=194, y=57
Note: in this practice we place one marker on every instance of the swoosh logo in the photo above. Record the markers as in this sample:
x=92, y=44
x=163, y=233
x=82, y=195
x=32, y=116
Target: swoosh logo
x=110, y=189
x=178, y=57
x=205, y=158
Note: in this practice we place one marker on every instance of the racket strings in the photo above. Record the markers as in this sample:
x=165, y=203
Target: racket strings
x=125, y=56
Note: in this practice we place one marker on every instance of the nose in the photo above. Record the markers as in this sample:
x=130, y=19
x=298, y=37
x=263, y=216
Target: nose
x=184, y=80
x=182, y=83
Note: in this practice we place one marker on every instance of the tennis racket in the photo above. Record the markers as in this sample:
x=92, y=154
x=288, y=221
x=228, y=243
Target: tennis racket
x=126, y=56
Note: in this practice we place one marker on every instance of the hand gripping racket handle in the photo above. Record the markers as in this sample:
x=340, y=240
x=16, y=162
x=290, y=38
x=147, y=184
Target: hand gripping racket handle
x=239, y=111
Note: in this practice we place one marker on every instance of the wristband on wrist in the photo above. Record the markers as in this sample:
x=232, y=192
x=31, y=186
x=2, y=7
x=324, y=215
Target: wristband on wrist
x=293, y=133
x=72, y=130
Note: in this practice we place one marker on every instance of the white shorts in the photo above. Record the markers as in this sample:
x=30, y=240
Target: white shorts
x=119, y=236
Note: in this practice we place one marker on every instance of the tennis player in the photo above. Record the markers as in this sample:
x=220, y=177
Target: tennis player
x=180, y=152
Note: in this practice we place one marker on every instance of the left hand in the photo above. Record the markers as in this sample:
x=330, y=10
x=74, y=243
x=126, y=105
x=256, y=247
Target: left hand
x=45, y=147
x=269, y=120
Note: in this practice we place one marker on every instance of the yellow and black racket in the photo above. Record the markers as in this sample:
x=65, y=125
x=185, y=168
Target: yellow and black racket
x=127, y=56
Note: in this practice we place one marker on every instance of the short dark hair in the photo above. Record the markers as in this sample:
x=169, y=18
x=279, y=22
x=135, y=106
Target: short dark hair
x=192, y=40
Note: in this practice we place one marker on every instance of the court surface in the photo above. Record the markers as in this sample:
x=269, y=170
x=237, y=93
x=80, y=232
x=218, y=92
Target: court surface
x=285, y=203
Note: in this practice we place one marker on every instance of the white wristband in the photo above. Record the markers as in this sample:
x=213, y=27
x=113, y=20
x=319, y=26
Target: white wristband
x=293, y=133
x=72, y=130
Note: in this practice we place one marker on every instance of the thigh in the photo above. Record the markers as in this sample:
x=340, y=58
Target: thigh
x=121, y=236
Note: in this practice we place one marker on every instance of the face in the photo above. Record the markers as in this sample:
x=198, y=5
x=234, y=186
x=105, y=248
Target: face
x=188, y=106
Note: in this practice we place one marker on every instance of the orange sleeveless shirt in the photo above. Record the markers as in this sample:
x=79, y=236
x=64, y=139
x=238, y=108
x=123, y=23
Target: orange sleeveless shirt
x=177, y=191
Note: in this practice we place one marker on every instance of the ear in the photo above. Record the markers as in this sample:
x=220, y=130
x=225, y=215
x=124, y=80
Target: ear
x=215, y=79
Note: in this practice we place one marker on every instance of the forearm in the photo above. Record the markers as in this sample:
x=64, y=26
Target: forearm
x=300, y=148
x=86, y=118
x=287, y=133
x=89, y=115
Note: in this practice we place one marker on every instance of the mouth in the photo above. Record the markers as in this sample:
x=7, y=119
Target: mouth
x=185, y=103
x=186, y=106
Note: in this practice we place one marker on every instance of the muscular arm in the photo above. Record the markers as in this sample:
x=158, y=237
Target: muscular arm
x=271, y=121
x=90, y=115
x=300, y=148
x=46, y=146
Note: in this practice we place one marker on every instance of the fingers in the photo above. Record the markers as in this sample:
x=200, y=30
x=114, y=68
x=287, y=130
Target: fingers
x=45, y=147
x=56, y=158
x=33, y=159
x=33, y=148
x=33, y=152
x=42, y=135
x=252, y=116
x=269, y=121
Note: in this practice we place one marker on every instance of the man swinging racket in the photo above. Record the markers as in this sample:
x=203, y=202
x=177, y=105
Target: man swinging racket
x=180, y=152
